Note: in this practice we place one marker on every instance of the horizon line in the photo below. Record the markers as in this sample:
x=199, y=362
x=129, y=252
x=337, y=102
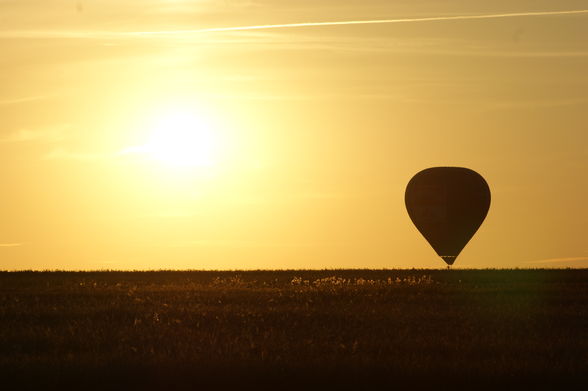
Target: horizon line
x=334, y=269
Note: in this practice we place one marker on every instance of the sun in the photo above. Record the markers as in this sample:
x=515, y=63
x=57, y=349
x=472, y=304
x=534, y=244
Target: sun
x=181, y=139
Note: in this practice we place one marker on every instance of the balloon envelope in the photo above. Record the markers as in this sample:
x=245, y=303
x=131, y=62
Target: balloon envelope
x=447, y=205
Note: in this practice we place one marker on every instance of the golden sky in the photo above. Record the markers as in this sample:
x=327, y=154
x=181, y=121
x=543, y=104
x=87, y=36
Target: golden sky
x=307, y=131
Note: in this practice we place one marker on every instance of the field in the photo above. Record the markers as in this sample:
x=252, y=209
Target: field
x=297, y=328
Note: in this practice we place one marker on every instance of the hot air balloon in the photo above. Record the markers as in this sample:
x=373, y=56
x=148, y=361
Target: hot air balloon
x=447, y=205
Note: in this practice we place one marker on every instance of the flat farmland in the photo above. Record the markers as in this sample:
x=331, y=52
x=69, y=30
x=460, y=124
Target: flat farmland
x=293, y=328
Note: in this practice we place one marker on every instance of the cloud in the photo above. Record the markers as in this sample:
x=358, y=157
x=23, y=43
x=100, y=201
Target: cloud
x=230, y=243
x=560, y=260
x=263, y=37
x=11, y=244
x=235, y=243
x=320, y=195
x=376, y=21
x=25, y=99
x=51, y=133
x=93, y=34
x=534, y=104
x=62, y=154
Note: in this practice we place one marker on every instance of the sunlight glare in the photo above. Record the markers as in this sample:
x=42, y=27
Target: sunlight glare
x=182, y=139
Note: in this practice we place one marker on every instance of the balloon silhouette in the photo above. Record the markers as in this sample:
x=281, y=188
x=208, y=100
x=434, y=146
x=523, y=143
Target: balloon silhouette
x=447, y=205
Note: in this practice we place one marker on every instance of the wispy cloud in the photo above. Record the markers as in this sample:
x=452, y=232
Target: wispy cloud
x=25, y=99
x=11, y=244
x=50, y=133
x=535, y=104
x=327, y=195
x=560, y=260
x=229, y=243
x=93, y=34
x=373, y=21
x=62, y=154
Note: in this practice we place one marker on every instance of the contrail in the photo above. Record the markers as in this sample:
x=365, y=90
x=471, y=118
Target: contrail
x=373, y=21
x=80, y=34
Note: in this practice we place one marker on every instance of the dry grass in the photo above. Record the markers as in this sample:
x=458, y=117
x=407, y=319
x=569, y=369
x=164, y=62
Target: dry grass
x=180, y=329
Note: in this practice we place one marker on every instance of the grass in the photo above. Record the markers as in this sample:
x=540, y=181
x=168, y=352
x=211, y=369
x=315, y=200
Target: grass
x=175, y=329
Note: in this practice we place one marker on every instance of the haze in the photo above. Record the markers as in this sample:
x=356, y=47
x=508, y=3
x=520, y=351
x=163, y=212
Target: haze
x=306, y=135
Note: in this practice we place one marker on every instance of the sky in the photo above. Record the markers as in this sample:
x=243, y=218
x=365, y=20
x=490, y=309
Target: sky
x=274, y=134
